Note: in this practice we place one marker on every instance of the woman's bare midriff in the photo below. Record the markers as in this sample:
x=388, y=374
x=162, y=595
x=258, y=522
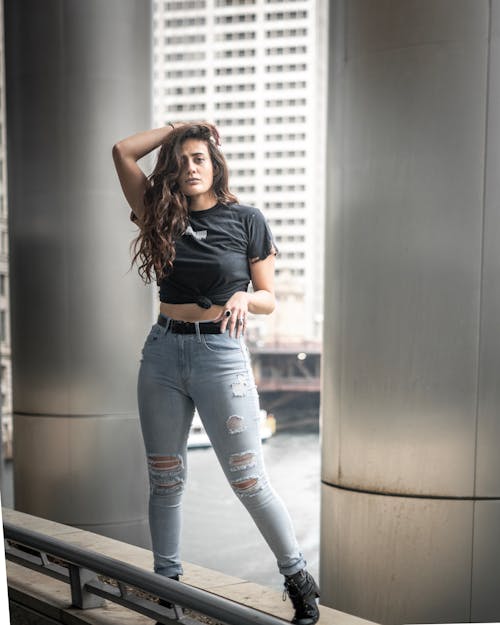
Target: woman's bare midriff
x=190, y=312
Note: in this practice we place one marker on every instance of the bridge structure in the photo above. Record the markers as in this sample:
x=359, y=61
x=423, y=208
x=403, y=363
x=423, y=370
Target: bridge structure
x=288, y=376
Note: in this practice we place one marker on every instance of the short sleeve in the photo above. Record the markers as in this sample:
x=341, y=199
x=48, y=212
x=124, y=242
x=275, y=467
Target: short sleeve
x=261, y=242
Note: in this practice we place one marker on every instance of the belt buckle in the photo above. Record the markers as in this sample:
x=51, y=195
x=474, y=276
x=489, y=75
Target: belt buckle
x=184, y=327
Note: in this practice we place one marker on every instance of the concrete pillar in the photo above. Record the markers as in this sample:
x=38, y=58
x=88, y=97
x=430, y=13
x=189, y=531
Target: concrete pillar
x=78, y=79
x=411, y=392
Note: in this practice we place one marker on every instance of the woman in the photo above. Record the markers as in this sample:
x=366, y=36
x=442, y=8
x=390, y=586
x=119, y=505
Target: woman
x=203, y=249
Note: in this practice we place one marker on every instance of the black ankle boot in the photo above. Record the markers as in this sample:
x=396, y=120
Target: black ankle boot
x=303, y=591
x=168, y=604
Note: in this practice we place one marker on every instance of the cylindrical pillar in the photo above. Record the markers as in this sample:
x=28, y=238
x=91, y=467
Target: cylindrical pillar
x=411, y=397
x=78, y=79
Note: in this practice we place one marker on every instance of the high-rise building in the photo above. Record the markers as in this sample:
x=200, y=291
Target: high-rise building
x=5, y=356
x=257, y=69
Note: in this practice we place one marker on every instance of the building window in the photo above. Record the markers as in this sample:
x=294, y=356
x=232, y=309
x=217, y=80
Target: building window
x=231, y=54
x=295, y=84
x=234, y=88
x=234, y=3
x=3, y=326
x=186, y=4
x=184, y=56
x=285, y=154
x=286, y=50
x=185, y=90
x=279, y=16
x=290, y=204
x=183, y=22
x=4, y=249
x=239, y=36
x=290, y=136
x=249, y=121
x=188, y=107
x=287, y=222
x=293, y=255
x=240, y=139
x=243, y=189
x=186, y=73
x=286, y=67
x=242, y=104
x=287, y=102
x=184, y=39
x=235, y=19
x=243, y=172
x=286, y=32
x=234, y=71
x=286, y=119
x=284, y=187
x=284, y=171
x=239, y=155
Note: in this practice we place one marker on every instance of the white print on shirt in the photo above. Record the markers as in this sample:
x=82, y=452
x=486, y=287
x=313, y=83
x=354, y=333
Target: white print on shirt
x=197, y=234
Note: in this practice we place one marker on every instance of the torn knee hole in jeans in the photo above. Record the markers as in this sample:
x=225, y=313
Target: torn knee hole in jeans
x=165, y=474
x=242, y=460
x=235, y=424
x=247, y=486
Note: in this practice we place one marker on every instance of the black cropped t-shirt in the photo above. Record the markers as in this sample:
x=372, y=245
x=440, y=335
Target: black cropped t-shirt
x=213, y=256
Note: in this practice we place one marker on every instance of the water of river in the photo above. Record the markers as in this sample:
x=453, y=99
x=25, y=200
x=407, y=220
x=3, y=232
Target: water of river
x=219, y=533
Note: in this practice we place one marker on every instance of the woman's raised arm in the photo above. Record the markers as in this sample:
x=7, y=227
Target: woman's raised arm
x=126, y=153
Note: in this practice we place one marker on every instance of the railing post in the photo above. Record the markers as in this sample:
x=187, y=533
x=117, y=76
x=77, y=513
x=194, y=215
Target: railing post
x=80, y=597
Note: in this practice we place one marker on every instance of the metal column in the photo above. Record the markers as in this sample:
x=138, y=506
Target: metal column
x=411, y=392
x=78, y=79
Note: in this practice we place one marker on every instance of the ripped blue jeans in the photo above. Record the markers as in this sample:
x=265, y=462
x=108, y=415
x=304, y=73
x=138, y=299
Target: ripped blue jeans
x=213, y=373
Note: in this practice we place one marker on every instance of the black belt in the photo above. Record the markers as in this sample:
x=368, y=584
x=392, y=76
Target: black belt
x=186, y=327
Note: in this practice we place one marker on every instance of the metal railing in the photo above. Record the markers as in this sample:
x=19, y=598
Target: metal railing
x=80, y=568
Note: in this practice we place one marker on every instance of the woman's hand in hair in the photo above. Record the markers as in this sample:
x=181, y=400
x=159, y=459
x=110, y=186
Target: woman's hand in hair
x=133, y=180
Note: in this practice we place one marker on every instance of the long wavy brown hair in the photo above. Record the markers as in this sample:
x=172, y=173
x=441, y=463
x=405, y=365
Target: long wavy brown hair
x=166, y=207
